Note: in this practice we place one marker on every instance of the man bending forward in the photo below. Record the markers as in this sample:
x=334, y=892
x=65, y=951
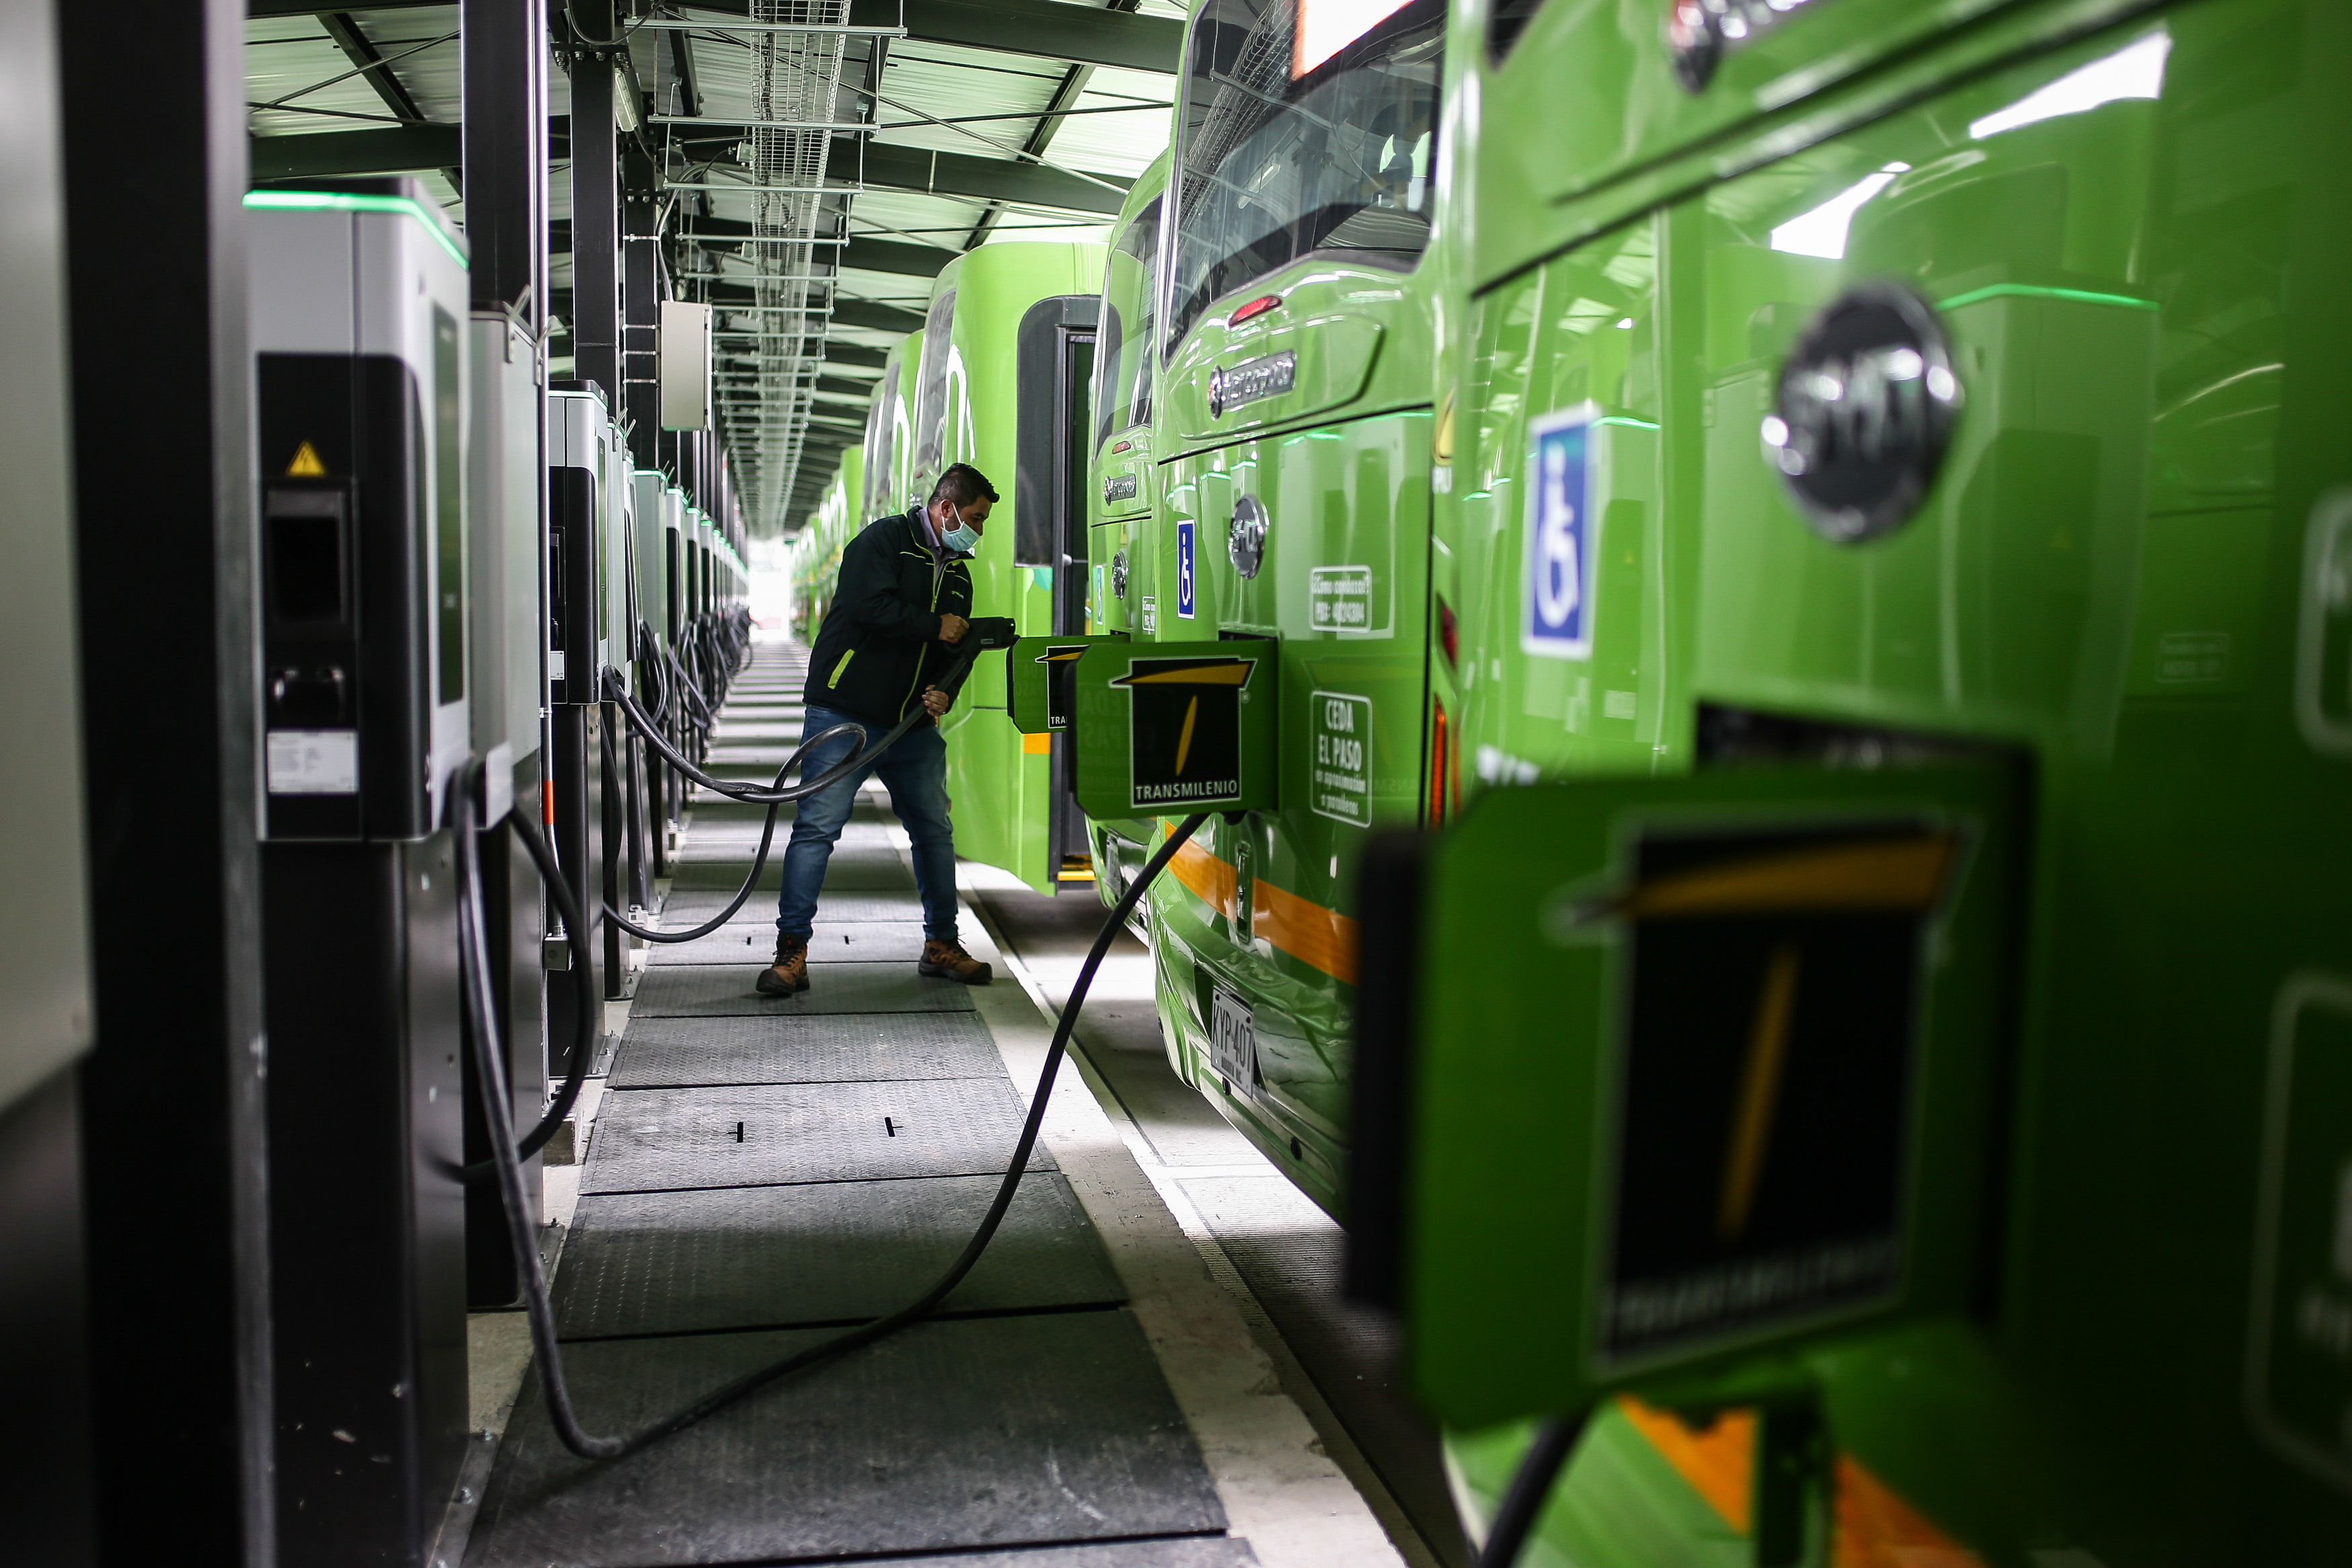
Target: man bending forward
x=898, y=610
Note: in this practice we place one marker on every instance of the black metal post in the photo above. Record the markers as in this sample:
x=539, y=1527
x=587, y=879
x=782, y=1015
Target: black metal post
x=174, y=1085
x=595, y=201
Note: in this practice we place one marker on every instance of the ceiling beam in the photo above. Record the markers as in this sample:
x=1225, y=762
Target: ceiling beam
x=866, y=313
x=878, y=317
x=1052, y=30
x=363, y=54
x=989, y=179
x=892, y=257
x=857, y=161
x=863, y=253
x=402, y=150
x=856, y=354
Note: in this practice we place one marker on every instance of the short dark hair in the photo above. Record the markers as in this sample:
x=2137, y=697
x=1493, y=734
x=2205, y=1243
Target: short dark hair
x=964, y=484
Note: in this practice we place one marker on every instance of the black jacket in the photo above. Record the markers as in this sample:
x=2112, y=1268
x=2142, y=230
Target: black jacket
x=879, y=645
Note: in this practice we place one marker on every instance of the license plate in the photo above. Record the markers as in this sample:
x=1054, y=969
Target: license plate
x=1233, y=1041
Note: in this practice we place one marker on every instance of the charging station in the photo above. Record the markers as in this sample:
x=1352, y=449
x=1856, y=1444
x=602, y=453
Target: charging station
x=614, y=742
x=579, y=470
x=507, y=559
x=359, y=319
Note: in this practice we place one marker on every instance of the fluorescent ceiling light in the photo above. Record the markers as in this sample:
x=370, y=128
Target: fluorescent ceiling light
x=2136, y=71
x=1327, y=27
x=1821, y=232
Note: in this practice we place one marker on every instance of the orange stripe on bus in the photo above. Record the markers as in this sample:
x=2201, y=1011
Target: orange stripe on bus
x=1320, y=939
x=1875, y=1527
x=1210, y=879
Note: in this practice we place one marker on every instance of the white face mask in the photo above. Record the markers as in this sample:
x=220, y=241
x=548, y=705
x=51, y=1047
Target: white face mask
x=961, y=538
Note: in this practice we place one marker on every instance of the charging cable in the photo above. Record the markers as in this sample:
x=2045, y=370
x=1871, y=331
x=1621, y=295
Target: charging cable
x=587, y=997
x=1531, y=1483
x=985, y=634
x=490, y=1062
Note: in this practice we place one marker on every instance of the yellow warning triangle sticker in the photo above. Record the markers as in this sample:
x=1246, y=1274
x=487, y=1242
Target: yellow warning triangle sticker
x=305, y=464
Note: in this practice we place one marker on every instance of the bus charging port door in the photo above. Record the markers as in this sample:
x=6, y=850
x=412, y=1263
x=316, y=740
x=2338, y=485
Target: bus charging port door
x=1756, y=1100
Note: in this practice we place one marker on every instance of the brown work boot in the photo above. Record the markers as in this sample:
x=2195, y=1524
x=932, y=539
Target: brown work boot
x=789, y=973
x=948, y=961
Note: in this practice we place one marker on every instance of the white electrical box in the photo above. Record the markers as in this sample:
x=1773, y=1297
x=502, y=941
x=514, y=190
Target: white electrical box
x=685, y=365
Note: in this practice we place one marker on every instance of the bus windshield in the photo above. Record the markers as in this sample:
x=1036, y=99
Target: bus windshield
x=1123, y=389
x=1308, y=126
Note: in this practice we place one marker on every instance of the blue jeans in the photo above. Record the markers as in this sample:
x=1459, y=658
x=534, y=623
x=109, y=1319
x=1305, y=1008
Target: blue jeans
x=915, y=771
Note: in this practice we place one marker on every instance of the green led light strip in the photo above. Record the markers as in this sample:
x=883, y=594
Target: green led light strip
x=2034, y=291
x=347, y=202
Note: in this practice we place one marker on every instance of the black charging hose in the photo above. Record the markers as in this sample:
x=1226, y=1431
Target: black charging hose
x=490, y=1064
x=773, y=797
x=1530, y=1487
x=588, y=998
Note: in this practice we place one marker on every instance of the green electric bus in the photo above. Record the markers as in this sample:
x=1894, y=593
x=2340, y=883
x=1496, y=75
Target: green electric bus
x=1870, y=417
x=1261, y=455
x=1000, y=381
x=1122, y=481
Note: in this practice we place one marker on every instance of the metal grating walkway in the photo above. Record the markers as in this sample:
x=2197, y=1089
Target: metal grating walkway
x=764, y=1171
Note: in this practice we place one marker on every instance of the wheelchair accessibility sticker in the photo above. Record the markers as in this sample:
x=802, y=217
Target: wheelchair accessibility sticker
x=1560, y=537
x=1184, y=568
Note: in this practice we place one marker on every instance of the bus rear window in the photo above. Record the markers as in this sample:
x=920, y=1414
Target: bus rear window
x=1308, y=127
x=1123, y=389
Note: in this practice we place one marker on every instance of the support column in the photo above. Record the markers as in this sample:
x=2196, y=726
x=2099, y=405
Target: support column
x=595, y=202
x=504, y=49
x=174, y=1085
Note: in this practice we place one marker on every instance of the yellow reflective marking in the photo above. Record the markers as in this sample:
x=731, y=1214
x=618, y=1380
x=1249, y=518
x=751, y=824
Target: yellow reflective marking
x=1184, y=741
x=1233, y=672
x=1037, y=745
x=1906, y=872
x=1759, y=1094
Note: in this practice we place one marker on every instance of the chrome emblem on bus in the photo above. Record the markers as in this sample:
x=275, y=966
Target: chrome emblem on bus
x=1265, y=376
x=1246, y=539
x=1865, y=412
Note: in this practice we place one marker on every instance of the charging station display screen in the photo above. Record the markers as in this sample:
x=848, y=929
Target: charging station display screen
x=304, y=572
x=448, y=507
x=1769, y=1040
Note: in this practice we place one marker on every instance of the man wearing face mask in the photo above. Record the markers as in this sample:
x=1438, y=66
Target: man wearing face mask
x=897, y=611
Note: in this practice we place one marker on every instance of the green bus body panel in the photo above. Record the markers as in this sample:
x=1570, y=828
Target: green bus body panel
x=1002, y=791
x=2120, y=571
x=1825, y=66
x=1343, y=586
x=1358, y=335
x=1608, y=1097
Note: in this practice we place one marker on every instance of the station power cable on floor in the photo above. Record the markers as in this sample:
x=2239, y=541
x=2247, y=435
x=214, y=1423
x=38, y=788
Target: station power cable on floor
x=490, y=1062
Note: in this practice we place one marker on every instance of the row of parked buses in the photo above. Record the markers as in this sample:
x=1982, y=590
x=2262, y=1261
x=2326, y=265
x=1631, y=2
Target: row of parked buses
x=1796, y=550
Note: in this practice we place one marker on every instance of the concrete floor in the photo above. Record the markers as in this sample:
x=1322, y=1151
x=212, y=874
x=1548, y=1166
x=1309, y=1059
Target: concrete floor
x=1317, y=1460
x=1272, y=1249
